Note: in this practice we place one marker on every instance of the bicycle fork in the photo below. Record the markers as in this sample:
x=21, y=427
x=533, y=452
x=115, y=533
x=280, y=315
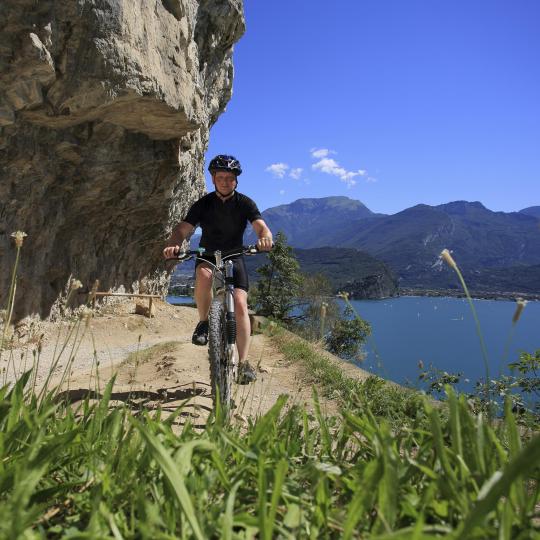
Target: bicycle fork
x=229, y=304
x=230, y=318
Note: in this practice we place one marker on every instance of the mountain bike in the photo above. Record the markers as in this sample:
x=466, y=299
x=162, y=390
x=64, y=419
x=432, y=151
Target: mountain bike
x=222, y=351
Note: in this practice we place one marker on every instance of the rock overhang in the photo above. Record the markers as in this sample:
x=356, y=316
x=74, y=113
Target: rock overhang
x=105, y=108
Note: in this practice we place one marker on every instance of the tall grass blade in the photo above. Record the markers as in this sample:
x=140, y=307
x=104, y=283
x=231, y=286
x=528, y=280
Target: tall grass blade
x=228, y=518
x=445, y=254
x=262, y=427
x=455, y=424
x=387, y=503
x=325, y=432
x=261, y=497
x=519, y=488
x=363, y=497
x=10, y=303
x=185, y=453
x=525, y=462
x=279, y=478
x=172, y=474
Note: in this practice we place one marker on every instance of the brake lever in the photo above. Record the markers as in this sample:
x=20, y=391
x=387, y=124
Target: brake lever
x=182, y=256
x=253, y=250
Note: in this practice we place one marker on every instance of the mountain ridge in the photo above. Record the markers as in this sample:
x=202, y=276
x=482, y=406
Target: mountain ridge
x=531, y=211
x=411, y=240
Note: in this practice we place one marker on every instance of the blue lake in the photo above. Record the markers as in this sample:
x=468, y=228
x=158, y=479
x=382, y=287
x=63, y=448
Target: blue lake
x=442, y=332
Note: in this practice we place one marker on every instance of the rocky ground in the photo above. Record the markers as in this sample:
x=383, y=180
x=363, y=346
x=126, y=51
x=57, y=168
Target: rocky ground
x=154, y=362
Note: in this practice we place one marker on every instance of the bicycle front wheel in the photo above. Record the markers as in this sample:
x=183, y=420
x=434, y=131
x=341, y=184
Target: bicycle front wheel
x=221, y=377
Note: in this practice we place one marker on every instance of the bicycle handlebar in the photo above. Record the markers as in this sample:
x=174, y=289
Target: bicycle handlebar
x=186, y=255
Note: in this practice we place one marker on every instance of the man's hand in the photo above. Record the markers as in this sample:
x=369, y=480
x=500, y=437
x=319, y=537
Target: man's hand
x=264, y=243
x=171, y=251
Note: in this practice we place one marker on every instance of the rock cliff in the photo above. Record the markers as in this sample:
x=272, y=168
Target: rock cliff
x=105, y=109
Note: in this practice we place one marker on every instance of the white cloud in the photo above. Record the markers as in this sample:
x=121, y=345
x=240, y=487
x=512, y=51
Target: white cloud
x=319, y=153
x=277, y=169
x=331, y=166
x=324, y=164
x=282, y=192
x=296, y=173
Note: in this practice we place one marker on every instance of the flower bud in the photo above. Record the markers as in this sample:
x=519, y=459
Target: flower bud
x=448, y=259
x=19, y=237
x=520, y=306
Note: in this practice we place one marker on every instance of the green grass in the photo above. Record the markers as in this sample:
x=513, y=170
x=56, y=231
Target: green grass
x=384, y=399
x=100, y=472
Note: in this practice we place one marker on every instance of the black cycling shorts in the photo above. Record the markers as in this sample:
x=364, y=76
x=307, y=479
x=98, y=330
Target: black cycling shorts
x=240, y=274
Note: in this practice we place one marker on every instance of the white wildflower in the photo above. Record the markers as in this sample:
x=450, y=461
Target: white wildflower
x=19, y=237
x=448, y=259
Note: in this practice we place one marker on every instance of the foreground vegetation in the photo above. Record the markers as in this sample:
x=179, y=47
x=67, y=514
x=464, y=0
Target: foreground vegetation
x=110, y=472
x=390, y=465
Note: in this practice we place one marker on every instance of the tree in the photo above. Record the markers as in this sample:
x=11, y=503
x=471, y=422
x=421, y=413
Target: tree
x=347, y=335
x=318, y=308
x=280, y=281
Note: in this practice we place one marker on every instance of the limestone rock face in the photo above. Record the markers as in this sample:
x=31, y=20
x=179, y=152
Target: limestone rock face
x=105, y=109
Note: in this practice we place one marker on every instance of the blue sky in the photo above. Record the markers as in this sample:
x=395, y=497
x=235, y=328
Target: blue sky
x=390, y=102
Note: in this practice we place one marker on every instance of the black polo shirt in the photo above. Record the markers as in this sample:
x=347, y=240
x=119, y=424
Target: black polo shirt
x=222, y=222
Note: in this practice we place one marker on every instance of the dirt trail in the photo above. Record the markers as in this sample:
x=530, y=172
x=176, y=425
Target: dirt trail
x=156, y=365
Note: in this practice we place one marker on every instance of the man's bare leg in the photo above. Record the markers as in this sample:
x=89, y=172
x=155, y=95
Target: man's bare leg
x=203, y=290
x=243, y=325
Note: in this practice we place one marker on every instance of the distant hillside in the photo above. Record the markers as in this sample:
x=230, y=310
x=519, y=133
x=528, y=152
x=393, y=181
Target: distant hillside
x=523, y=279
x=531, y=211
x=348, y=270
x=410, y=241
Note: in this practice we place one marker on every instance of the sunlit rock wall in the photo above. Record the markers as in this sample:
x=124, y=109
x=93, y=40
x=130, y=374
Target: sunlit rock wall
x=105, y=109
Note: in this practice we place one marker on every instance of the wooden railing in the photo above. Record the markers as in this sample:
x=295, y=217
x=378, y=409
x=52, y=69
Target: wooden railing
x=94, y=293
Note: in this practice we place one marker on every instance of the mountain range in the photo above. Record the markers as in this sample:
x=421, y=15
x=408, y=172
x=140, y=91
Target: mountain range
x=496, y=251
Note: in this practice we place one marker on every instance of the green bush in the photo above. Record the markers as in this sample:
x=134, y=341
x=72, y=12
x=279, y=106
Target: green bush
x=347, y=335
x=280, y=281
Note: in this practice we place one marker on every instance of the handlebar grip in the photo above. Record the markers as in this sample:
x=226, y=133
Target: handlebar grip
x=253, y=249
x=178, y=256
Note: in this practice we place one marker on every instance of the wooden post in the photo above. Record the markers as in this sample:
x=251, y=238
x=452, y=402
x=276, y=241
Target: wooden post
x=93, y=293
x=150, y=307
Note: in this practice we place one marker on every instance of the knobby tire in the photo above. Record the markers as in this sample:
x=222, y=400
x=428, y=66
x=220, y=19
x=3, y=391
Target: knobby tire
x=220, y=374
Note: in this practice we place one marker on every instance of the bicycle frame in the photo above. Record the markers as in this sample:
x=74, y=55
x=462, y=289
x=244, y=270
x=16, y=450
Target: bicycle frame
x=223, y=289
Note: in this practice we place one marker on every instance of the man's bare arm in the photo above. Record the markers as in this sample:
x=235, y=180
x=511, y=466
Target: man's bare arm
x=264, y=235
x=181, y=232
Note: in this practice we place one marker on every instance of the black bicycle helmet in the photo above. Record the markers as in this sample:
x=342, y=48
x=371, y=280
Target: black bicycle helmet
x=225, y=163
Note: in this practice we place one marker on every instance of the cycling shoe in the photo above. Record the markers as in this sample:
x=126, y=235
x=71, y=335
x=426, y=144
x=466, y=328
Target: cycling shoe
x=246, y=374
x=200, y=336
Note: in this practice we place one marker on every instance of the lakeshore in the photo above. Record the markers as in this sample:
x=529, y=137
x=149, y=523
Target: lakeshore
x=459, y=293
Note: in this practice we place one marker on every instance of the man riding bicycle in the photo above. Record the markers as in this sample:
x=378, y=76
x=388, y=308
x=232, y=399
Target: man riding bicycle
x=223, y=215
